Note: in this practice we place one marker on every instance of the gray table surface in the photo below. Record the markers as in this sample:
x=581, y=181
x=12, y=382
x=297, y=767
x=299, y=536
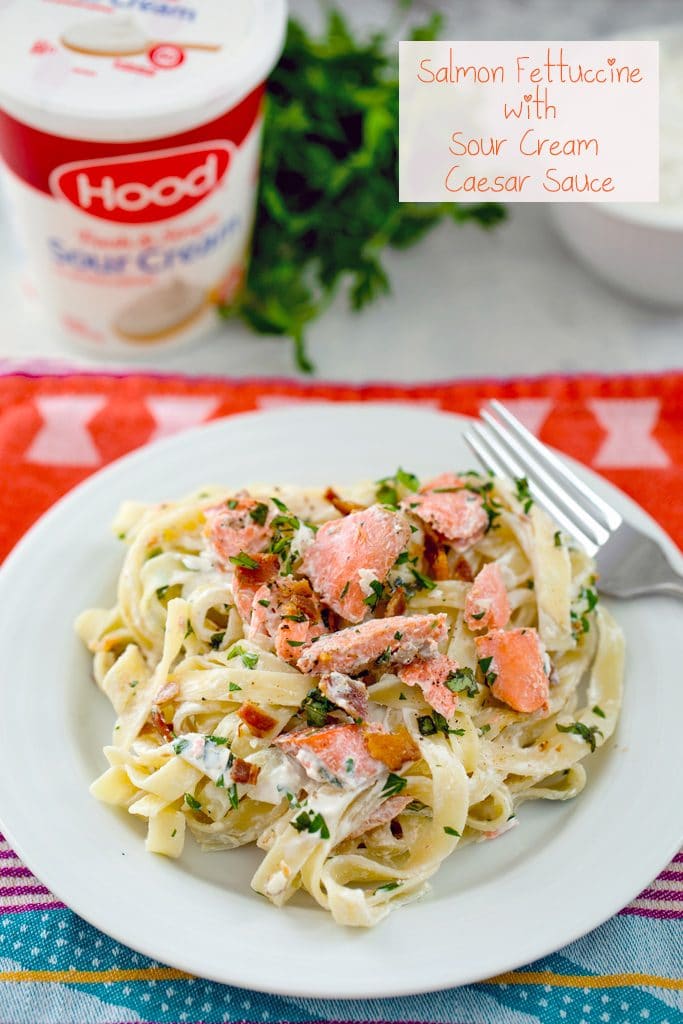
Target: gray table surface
x=465, y=303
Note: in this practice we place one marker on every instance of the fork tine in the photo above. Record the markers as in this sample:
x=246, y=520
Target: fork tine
x=608, y=516
x=536, y=471
x=504, y=464
x=487, y=460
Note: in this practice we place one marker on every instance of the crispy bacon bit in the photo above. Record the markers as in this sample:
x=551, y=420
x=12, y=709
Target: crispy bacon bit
x=386, y=811
x=231, y=528
x=169, y=691
x=161, y=725
x=463, y=570
x=247, y=581
x=341, y=504
x=348, y=694
x=392, y=749
x=257, y=721
x=244, y=772
x=435, y=555
x=397, y=603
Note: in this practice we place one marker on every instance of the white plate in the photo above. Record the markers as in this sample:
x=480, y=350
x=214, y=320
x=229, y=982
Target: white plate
x=493, y=906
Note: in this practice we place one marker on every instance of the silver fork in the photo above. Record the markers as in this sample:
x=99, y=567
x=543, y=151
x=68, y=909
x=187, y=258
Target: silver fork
x=629, y=561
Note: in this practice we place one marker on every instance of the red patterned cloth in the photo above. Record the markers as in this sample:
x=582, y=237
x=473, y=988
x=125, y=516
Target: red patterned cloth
x=57, y=429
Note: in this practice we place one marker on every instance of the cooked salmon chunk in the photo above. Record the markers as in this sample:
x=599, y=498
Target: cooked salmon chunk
x=238, y=525
x=349, y=554
x=456, y=514
x=487, y=605
x=348, y=694
x=341, y=754
x=430, y=674
x=247, y=582
x=336, y=754
x=514, y=662
x=396, y=640
x=288, y=611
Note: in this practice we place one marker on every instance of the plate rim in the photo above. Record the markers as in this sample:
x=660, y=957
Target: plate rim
x=363, y=991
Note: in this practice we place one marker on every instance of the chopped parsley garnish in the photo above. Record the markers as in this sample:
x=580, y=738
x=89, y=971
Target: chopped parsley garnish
x=429, y=725
x=599, y=712
x=217, y=640
x=259, y=513
x=245, y=560
x=478, y=616
x=462, y=681
x=220, y=741
x=153, y=553
x=296, y=643
x=423, y=582
x=349, y=764
x=345, y=590
x=587, y=600
x=485, y=666
x=133, y=683
x=407, y=480
x=174, y=833
x=307, y=822
x=295, y=618
x=484, y=729
x=233, y=687
x=557, y=539
x=403, y=558
x=388, y=887
x=416, y=806
x=279, y=504
x=162, y=591
x=220, y=782
x=377, y=590
x=386, y=492
x=192, y=803
x=180, y=745
x=233, y=797
x=189, y=631
x=232, y=503
x=316, y=707
x=451, y=831
x=586, y=732
x=264, y=602
x=249, y=659
x=530, y=584
x=402, y=696
x=523, y=493
x=394, y=784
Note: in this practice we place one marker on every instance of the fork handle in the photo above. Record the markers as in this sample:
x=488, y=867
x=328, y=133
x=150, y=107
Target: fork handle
x=671, y=586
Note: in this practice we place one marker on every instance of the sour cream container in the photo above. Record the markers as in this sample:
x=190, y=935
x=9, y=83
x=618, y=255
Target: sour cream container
x=130, y=143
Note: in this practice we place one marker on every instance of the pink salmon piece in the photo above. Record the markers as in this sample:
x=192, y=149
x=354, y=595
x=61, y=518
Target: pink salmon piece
x=487, y=605
x=231, y=530
x=336, y=754
x=370, y=539
x=396, y=640
x=517, y=659
x=458, y=516
x=430, y=674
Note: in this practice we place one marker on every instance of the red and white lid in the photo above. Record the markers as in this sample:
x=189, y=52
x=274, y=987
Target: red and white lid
x=129, y=70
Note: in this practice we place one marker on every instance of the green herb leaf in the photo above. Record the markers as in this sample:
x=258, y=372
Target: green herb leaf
x=259, y=513
x=179, y=745
x=327, y=205
x=451, y=831
x=394, y=784
x=245, y=560
x=192, y=803
x=307, y=822
x=523, y=493
x=217, y=640
x=462, y=681
x=233, y=687
x=316, y=708
x=599, y=712
x=377, y=590
x=423, y=582
x=233, y=797
x=388, y=887
x=250, y=659
x=586, y=732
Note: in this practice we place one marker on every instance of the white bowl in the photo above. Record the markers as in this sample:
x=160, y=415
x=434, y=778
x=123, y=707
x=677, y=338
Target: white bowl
x=638, y=247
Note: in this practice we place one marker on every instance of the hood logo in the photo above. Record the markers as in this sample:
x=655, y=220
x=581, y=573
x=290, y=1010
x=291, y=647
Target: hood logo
x=145, y=187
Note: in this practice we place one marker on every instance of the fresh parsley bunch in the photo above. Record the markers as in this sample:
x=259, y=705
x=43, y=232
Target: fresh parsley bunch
x=328, y=206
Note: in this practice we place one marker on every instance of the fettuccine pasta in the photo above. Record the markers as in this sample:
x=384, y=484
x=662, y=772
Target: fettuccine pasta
x=358, y=681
